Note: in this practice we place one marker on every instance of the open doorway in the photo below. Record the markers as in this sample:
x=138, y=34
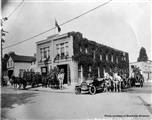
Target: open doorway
x=65, y=81
x=10, y=73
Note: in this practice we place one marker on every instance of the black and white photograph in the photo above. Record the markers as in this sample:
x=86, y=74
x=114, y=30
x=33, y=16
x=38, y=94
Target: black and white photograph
x=76, y=60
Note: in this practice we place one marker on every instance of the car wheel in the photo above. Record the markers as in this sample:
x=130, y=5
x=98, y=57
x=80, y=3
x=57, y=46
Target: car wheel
x=92, y=90
x=77, y=90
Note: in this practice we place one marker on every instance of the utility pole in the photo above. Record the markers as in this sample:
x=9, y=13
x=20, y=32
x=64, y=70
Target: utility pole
x=3, y=33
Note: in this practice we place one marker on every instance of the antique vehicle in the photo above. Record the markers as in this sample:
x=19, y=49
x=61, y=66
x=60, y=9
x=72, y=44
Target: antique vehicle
x=137, y=78
x=139, y=81
x=91, y=86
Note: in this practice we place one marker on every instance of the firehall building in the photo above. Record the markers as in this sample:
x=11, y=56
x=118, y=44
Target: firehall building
x=79, y=57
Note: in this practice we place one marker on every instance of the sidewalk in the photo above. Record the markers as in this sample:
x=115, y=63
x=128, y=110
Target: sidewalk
x=66, y=89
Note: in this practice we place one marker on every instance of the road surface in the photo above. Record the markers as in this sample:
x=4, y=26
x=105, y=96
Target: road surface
x=46, y=105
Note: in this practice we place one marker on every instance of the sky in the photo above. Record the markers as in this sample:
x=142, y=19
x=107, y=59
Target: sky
x=122, y=25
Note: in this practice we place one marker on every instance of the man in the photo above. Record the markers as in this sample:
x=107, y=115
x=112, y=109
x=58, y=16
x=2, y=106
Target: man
x=117, y=82
x=61, y=78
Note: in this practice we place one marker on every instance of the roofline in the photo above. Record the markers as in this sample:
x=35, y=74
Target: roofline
x=114, y=49
x=57, y=36
x=52, y=37
x=23, y=55
x=34, y=58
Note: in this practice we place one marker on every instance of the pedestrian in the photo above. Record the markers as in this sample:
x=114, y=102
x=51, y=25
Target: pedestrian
x=117, y=82
x=61, y=78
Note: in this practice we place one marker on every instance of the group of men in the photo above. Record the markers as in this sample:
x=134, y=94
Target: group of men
x=113, y=83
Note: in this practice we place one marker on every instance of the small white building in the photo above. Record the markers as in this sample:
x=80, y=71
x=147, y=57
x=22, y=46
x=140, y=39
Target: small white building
x=17, y=64
x=145, y=67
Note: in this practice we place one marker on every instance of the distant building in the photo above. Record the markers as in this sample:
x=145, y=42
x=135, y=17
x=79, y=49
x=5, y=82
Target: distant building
x=17, y=64
x=80, y=58
x=145, y=67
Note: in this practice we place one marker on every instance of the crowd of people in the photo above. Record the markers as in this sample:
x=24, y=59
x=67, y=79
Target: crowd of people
x=55, y=79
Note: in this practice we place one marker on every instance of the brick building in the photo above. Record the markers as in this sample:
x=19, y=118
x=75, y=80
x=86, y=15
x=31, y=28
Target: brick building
x=79, y=57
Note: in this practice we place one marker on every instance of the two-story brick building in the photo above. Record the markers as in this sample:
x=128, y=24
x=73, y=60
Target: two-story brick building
x=80, y=58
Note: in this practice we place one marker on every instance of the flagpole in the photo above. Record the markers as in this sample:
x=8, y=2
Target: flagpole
x=55, y=27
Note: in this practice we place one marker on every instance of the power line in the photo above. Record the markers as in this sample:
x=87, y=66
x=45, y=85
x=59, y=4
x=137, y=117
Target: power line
x=59, y=25
x=15, y=9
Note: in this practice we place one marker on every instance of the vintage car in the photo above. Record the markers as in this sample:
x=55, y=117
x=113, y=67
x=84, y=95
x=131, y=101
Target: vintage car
x=91, y=86
x=139, y=82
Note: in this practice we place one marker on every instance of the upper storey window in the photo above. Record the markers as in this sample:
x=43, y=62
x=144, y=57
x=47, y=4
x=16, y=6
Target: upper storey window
x=45, y=52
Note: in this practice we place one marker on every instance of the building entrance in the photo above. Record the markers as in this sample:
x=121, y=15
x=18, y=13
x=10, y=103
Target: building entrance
x=10, y=73
x=65, y=81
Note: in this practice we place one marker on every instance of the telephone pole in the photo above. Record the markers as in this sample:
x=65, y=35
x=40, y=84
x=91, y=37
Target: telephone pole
x=3, y=34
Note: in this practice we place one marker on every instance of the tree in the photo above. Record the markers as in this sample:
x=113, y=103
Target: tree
x=142, y=55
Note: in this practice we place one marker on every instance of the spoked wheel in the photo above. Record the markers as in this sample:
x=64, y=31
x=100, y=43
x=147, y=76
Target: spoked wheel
x=92, y=90
x=77, y=90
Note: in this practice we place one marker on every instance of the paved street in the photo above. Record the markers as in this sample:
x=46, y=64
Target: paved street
x=46, y=105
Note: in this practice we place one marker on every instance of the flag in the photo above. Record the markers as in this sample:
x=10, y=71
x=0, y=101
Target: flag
x=57, y=25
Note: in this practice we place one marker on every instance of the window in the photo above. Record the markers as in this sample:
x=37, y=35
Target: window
x=116, y=59
x=89, y=68
x=86, y=50
x=21, y=72
x=58, y=48
x=123, y=53
x=45, y=52
x=111, y=58
x=94, y=55
x=66, y=49
x=80, y=49
x=98, y=72
x=106, y=57
x=124, y=58
x=62, y=50
x=101, y=57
